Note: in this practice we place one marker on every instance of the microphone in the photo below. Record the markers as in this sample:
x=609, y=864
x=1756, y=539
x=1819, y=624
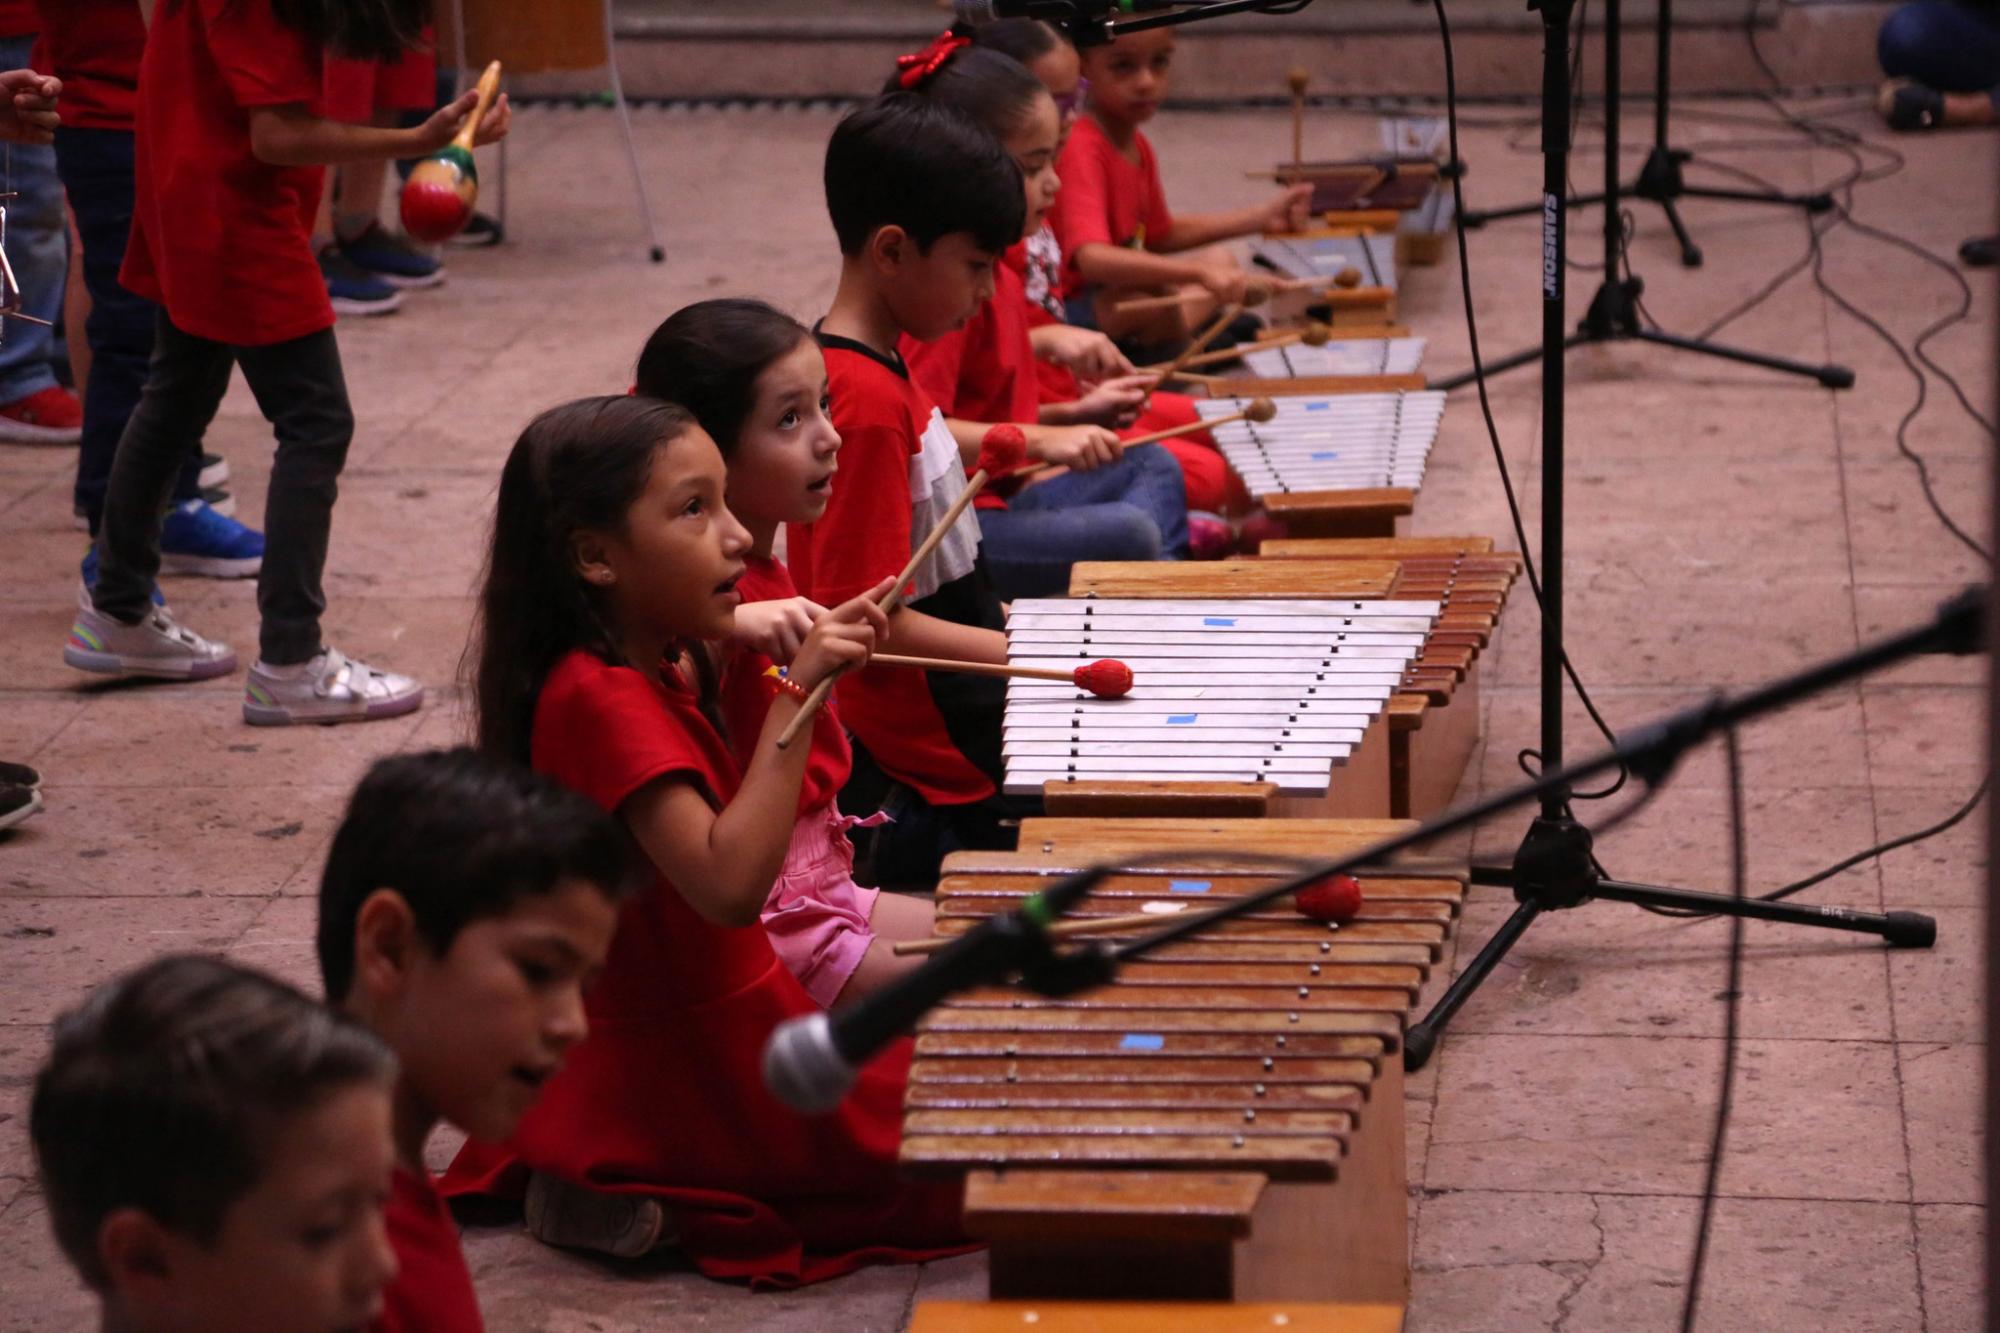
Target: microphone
x=810, y=1062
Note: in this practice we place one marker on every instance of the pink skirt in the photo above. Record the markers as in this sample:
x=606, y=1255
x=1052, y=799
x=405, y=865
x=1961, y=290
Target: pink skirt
x=817, y=916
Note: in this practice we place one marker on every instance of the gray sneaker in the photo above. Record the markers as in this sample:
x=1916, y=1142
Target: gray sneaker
x=333, y=687
x=576, y=1217
x=159, y=645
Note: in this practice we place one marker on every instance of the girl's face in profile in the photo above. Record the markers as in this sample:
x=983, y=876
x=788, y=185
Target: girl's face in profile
x=782, y=468
x=671, y=571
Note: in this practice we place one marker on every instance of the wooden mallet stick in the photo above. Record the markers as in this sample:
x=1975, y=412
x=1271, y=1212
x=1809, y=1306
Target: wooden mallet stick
x=1004, y=443
x=1107, y=679
x=1201, y=341
x=1260, y=409
x=1312, y=335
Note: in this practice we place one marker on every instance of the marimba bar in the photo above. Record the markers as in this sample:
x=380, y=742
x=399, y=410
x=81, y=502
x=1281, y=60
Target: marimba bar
x=1371, y=254
x=1338, y=442
x=1343, y=356
x=1224, y=690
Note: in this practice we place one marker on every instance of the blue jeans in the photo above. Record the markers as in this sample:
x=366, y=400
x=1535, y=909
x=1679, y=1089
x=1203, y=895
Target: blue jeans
x=1942, y=44
x=1134, y=509
x=38, y=249
x=96, y=169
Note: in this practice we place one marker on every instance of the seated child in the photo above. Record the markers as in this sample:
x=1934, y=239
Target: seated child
x=1112, y=219
x=923, y=202
x=756, y=381
x=1108, y=505
x=465, y=903
x=214, y=1149
x=615, y=563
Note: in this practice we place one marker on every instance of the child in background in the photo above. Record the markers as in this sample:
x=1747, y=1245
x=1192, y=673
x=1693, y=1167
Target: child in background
x=923, y=202
x=465, y=904
x=756, y=381
x=1205, y=477
x=1112, y=219
x=366, y=266
x=614, y=563
x=94, y=47
x=229, y=166
x=1108, y=505
x=214, y=1149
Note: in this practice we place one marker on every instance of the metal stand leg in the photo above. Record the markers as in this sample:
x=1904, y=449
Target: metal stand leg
x=656, y=252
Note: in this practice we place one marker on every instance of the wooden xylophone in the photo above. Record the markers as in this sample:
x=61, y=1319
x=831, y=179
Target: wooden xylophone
x=1431, y=721
x=1324, y=255
x=1224, y=1121
x=1287, y=698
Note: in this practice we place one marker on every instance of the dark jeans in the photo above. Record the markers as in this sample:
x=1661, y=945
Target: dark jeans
x=300, y=388
x=1948, y=45
x=1135, y=509
x=96, y=171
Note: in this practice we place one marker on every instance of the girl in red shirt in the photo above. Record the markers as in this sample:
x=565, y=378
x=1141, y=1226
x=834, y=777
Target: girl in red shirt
x=756, y=381
x=229, y=164
x=614, y=560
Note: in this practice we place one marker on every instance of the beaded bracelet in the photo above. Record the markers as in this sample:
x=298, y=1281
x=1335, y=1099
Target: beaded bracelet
x=782, y=682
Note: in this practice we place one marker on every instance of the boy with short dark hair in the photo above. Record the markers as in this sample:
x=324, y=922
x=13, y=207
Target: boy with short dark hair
x=215, y=1149
x=466, y=902
x=924, y=201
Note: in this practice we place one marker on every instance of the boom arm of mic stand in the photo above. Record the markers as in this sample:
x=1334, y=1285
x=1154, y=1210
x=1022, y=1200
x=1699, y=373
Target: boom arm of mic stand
x=1649, y=752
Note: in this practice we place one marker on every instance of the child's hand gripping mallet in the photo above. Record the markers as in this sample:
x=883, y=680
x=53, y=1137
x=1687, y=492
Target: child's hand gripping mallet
x=442, y=189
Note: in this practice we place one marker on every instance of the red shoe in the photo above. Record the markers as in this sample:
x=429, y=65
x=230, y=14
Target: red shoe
x=1209, y=537
x=1257, y=529
x=50, y=416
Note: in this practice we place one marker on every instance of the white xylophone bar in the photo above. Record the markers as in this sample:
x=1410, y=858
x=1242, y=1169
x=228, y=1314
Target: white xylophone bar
x=1344, y=700
x=1372, y=255
x=1070, y=619
x=1223, y=608
x=1342, y=356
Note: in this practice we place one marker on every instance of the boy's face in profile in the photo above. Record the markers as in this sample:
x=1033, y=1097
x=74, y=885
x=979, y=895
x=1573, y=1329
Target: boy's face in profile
x=480, y=1028
x=303, y=1249
x=1128, y=79
x=933, y=293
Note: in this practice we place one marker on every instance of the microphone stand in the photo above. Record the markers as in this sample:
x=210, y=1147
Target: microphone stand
x=1613, y=315
x=1649, y=752
x=1660, y=180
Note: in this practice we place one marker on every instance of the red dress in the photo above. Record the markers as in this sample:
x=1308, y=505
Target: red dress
x=432, y=1291
x=665, y=1097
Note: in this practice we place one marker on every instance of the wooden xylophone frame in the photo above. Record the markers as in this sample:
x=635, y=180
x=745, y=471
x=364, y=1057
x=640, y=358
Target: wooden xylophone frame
x=1268, y=1049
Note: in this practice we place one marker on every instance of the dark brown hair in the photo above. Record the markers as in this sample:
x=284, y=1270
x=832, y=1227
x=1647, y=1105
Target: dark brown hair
x=165, y=1089
x=707, y=357
x=578, y=466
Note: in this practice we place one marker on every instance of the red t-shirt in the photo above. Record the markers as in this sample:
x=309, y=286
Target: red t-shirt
x=936, y=732
x=747, y=694
x=354, y=90
x=666, y=1095
x=18, y=18
x=93, y=46
x=432, y=1291
x=1106, y=197
x=221, y=239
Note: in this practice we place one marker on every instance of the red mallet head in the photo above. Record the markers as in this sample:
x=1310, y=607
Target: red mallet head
x=1003, y=448
x=1336, y=898
x=1108, y=679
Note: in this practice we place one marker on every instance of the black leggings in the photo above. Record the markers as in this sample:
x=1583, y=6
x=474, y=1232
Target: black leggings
x=300, y=388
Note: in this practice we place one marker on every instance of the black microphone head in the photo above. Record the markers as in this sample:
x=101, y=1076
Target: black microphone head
x=802, y=1067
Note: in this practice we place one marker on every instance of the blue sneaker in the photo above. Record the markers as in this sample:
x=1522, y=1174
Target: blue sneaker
x=195, y=539
x=90, y=578
x=391, y=258
x=352, y=289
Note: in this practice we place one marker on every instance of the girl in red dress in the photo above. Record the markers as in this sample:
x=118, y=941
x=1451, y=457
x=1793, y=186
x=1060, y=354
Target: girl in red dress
x=756, y=381
x=614, y=558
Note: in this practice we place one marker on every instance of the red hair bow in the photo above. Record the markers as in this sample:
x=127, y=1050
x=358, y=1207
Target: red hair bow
x=913, y=71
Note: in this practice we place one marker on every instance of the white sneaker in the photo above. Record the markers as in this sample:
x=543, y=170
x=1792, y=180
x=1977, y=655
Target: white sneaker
x=576, y=1217
x=331, y=688
x=159, y=645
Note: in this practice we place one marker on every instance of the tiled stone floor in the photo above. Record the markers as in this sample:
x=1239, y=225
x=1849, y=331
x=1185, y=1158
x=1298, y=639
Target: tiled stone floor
x=1727, y=524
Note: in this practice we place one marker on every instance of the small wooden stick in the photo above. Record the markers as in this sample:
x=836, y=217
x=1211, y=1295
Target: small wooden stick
x=1260, y=409
x=1201, y=341
x=1060, y=930
x=890, y=600
x=1267, y=287
x=1297, y=78
x=1313, y=335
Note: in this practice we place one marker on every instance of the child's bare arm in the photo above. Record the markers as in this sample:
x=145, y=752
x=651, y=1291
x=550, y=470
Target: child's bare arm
x=291, y=136
x=725, y=862
x=1284, y=211
x=914, y=634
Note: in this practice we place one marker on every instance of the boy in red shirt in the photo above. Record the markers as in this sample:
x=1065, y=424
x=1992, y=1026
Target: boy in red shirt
x=465, y=903
x=214, y=1149
x=924, y=201
x=1112, y=217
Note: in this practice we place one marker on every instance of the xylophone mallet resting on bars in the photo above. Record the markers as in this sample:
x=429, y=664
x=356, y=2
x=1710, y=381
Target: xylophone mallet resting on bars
x=1107, y=679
